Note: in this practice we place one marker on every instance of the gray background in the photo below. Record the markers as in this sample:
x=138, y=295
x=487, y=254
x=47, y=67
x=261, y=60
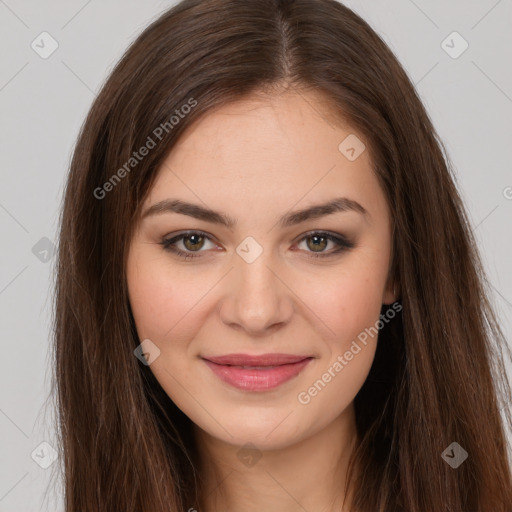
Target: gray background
x=44, y=101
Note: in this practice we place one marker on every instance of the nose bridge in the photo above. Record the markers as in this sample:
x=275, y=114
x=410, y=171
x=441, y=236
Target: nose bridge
x=257, y=299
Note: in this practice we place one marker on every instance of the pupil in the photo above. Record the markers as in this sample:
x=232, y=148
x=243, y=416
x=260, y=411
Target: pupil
x=316, y=238
x=189, y=237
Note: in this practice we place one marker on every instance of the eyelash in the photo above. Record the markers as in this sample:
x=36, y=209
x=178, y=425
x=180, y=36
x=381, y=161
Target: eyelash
x=343, y=244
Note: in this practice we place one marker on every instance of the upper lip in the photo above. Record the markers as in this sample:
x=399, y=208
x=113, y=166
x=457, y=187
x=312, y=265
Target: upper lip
x=262, y=360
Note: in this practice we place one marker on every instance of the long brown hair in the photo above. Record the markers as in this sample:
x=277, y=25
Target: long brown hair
x=438, y=376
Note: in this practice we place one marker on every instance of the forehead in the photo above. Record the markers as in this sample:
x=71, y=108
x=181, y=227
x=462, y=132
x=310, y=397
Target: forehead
x=263, y=150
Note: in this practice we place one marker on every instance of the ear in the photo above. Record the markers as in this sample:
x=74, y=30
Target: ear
x=391, y=291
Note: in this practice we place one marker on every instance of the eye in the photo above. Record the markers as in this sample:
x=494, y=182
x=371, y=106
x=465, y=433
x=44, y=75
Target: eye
x=193, y=241
x=319, y=240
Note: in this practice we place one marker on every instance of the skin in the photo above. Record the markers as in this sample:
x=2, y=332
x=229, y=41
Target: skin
x=256, y=160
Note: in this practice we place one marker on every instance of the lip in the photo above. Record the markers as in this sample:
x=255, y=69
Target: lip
x=257, y=373
x=261, y=360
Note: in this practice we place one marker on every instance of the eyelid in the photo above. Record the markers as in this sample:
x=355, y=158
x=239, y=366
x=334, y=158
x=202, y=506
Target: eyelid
x=183, y=234
x=342, y=242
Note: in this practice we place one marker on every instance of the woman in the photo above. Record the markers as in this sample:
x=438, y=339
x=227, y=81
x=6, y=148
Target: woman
x=268, y=293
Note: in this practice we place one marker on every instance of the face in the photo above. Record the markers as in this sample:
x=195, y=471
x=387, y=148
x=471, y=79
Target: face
x=272, y=282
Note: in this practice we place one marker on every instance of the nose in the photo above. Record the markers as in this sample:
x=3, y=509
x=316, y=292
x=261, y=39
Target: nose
x=257, y=299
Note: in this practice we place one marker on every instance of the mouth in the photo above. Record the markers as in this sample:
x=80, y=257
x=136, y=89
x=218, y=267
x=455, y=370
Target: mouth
x=257, y=373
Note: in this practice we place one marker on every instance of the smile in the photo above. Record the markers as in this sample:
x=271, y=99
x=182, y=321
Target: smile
x=261, y=373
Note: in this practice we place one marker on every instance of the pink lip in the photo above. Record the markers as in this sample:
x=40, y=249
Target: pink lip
x=279, y=368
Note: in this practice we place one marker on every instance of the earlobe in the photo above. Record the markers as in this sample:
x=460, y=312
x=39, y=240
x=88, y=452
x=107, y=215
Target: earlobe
x=396, y=291
x=391, y=292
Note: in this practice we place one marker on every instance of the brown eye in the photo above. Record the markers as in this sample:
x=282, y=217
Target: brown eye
x=191, y=242
x=196, y=243
x=318, y=243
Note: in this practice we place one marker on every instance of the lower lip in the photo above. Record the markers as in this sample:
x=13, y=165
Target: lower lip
x=250, y=379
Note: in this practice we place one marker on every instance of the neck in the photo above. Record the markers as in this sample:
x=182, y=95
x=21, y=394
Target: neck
x=309, y=473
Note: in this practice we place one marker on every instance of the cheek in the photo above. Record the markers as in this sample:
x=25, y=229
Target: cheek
x=165, y=302
x=350, y=307
x=174, y=306
x=346, y=301
x=172, y=303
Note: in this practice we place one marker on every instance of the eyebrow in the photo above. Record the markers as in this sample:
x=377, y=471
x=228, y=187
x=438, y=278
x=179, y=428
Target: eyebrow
x=340, y=204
